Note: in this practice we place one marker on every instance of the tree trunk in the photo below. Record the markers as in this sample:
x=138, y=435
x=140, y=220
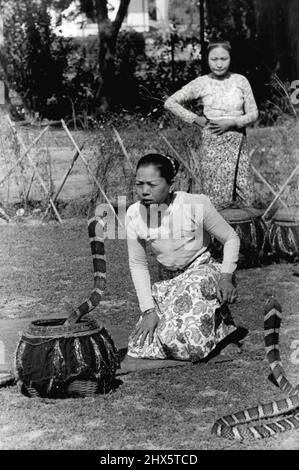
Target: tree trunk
x=277, y=26
x=108, y=32
x=3, y=66
x=292, y=17
x=107, y=46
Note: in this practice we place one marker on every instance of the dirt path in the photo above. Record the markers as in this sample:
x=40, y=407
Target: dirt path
x=42, y=266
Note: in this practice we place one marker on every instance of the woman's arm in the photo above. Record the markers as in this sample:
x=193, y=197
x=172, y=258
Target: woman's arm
x=217, y=226
x=250, y=115
x=250, y=107
x=191, y=91
x=142, y=283
x=140, y=272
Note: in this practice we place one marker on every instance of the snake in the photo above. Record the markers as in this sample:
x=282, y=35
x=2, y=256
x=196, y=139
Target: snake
x=234, y=426
x=97, y=234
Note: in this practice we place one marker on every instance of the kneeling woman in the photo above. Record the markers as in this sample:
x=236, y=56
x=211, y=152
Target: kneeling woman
x=180, y=316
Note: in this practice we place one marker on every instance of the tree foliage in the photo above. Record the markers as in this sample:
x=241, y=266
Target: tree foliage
x=97, y=11
x=35, y=61
x=277, y=25
x=31, y=59
x=65, y=77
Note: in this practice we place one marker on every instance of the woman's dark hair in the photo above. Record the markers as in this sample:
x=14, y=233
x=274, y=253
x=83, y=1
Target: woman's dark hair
x=167, y=165
x=218, y=43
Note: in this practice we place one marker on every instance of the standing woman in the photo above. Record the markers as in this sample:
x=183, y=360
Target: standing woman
x=228, y=107
x=180, y=316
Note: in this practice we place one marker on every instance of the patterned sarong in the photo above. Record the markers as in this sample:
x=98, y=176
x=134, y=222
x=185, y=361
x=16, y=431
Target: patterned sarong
x=218, y=167
x=191, y=324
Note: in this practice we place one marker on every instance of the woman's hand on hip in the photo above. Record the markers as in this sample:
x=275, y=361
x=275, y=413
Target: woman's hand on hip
x=200, y=121
x=147, y=326
x=226, y=291
x=224, y=125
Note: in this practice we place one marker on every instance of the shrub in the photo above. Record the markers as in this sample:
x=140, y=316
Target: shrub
x=35, y=58
x=161, y=73
x=278, y=104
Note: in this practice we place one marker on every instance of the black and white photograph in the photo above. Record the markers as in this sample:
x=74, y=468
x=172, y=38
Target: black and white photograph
x=149, y=228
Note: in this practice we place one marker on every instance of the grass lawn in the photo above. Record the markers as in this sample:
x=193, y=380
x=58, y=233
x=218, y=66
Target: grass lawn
x=45, y=265
x=42, y=266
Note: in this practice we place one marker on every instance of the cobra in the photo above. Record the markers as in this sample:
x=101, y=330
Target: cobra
x=58, y=357
x=96, y=233
x=231, y=426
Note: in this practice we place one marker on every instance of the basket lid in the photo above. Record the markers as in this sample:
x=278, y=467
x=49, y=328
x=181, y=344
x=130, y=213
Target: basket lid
x=236, y=214
x=56, y=327
x=287, y=214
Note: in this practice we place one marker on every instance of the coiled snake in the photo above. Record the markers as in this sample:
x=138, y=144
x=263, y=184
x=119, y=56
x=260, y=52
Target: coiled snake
x=230, y=426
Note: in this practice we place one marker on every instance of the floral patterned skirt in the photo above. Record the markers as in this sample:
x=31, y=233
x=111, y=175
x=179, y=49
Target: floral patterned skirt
x=191, y=322
x=218, y=166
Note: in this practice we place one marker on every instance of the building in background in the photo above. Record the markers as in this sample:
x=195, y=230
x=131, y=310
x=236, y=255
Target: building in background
x=162, y=13
x=138, y=18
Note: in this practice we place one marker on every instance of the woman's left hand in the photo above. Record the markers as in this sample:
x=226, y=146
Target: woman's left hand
x=219, y=127
x=226, y=291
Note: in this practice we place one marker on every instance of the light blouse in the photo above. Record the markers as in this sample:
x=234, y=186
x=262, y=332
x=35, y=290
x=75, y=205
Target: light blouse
x=177, y=236
x=230, y=98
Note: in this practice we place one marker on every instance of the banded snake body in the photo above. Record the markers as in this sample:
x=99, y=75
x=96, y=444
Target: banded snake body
x=97, y=234
x=231, y=426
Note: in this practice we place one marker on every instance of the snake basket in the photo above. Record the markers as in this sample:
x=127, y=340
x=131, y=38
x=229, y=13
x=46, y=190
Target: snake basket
x=253, y=234
x=56, y=360
x=284, y=233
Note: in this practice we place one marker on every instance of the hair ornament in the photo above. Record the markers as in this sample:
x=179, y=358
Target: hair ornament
x=172, y=163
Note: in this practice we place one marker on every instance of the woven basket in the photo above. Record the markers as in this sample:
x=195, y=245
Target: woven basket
x=56, y=327
x=253, y=234
x=83, y=388
x=27, y=390
x=77, y=388
x=284, y=233
x=287, y=216
x=234, y=215
x=56, y=360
